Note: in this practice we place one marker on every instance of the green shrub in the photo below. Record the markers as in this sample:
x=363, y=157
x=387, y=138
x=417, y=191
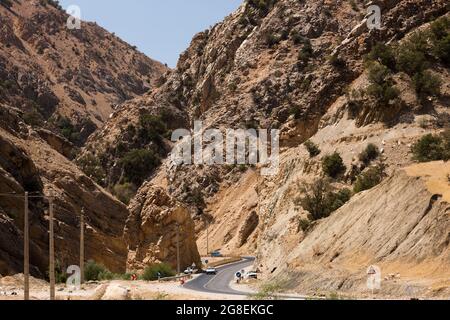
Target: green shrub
x=432, y=148
x=151, y=272
x=92, y=167
x=304, y=224
x=338, y=199
x=138, y=164
x=263, y=5
x=442, y=49
x=336, y=61
x=312, y=148
x=370, y=153
x=370, y=178
x=151, y=128
x=124, y=192
x=381, y=87
x=383, y=54
x=33, y=118
x=272, y=39
x=320, y=200
x=426, y=84
x=95, y=272
x=333, y=165
x=411, y=54
x=441, y=39
x=306, y=52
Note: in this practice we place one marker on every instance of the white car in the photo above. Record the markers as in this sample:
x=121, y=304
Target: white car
x=189, y=271
x=252, y=275
x=211, y=271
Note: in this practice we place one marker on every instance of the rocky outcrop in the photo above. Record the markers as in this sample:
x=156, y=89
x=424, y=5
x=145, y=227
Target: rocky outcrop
x=157, y=223
x=50, y=71
x=28, y=163
x=399, y=226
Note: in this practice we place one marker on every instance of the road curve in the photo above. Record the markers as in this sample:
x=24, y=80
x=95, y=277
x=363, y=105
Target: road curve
x=220, y=283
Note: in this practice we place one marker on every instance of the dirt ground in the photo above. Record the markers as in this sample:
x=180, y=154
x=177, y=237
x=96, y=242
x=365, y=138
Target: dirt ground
x=11, y=288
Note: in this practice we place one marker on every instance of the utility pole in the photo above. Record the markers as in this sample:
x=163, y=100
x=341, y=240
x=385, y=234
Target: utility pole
x=26, y=251
x=82, y=246
x=52, y=250
x=207, y=238
x=178, y=249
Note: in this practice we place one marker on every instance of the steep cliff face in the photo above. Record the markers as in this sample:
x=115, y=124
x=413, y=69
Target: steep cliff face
x=28, y=163
x=56, y=87
x=400, y=226
x=157, y=227
x=299, y=66
x=62, y=79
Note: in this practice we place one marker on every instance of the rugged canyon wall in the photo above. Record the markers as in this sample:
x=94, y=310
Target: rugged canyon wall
x=157, y=227
x=56, y=87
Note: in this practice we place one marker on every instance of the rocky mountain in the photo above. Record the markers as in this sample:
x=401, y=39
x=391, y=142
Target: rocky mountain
x=350, y=102
x=56, y=87
x=357, y=108
x=66, y=80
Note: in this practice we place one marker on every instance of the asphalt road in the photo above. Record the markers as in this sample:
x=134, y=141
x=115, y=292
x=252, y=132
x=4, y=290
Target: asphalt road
x=220, y=283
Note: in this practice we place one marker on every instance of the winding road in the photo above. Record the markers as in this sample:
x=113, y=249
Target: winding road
x=220, y=283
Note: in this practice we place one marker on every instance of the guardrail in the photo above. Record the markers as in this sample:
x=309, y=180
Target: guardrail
x=224, y=261
x=180, y=277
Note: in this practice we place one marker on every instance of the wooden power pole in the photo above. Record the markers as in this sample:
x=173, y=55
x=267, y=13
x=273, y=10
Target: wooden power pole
x=26, y=251
x=82, y=246
x=207, y=238
x=178, y=249
x=52, y=250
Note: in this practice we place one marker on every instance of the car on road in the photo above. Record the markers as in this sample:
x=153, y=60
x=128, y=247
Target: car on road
x=216, y=254
x=211, y=271
x=189, y=271
x=252, y=275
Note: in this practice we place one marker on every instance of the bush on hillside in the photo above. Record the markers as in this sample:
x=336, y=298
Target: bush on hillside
x=138, y=164
x=312, y=148
x=320, y=200
x=96, y=272
x=432, y=148
x=151, y=272
x=427, y=84
x=333, y=165
x=370, y=178
x=370, y=153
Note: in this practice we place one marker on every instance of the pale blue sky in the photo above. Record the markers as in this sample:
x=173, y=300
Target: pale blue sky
x=161, y=29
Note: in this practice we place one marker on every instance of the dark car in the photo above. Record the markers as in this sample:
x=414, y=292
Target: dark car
x=216, y=254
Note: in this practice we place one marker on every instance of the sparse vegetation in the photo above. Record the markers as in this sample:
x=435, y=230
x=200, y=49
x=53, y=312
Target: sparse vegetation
x=427, y=84
x=312, y=148
x=306, y=52
x=151, y=272
x=68, y=130
x=381, y=87
x=333, y=165
x=137, y=164
x=370, y=153
x=370, y=178
x=92, y=167
x=321, y=200
x=304, y=224
x=124, y=192
x=383, y=54
x=96, y=272
x=432, y=147
x=268, y=291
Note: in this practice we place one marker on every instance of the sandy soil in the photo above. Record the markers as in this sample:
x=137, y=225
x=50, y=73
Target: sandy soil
x=11, y=288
